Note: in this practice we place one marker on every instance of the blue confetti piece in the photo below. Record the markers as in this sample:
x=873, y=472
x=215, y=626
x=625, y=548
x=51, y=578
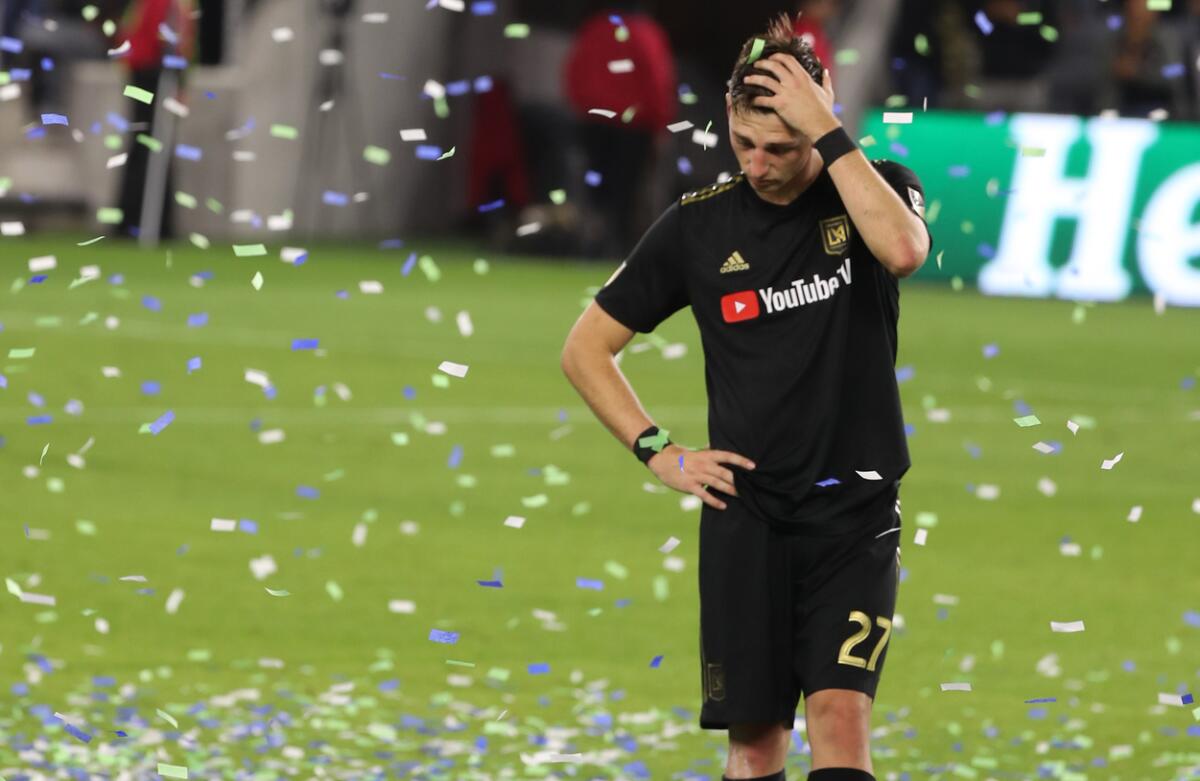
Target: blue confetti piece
x=305, y=344
x=483, y=8
x=152, y=303
x=78, y=733
x=36, y=399
x=3, y=381
x=247, y=526
x=342, y=294
x=1187, y=699
x=592, y=178
x=684, y=165
x=391, y=244
x=986, y=250
x=193, y=364
x=483, y=84
x=117, y=121
x=1187, y=383
x=333, y=198
x=39, y=420
x=307, y=492
x=197, y=320
x=174, y=62
x=909, y=429
x=456, y=457
x=983, y=23
x=959, y=171
x=188, y=152
x=438, y=636
x=828, y=482
x=47, y=64
x=1173, y=71
x=389, y=685
x=20, y=74
x=491, y=583
x=991, y=350
x=1042, y=699
x=162, y=422
x=428, y=152
x=410, y=392
x=55, y=119
x=102, y=681
x=210, y=95
x=11, y=45
x=1191, y=618
x=539, y=668
x=270, y=392
x=36, y=132
x=456, y=88
x=1114, y=22
x=1038, y=713
x=151, y=387
x=390, y=76
x=615, y=20
x=994, y=118
x=37, y=279
x=905, y=373
x=898, y=149
x=623, y=602
x=1021, y=407
x=408, y=264
x=656, y=661
x=488, y=207
x=594, y=585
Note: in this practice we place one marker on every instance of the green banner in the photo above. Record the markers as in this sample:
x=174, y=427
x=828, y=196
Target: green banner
x=1082, y=208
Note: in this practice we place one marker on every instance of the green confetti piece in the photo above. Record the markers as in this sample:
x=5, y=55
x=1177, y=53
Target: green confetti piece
x=621, y=34
x=537, y=500
x=87, y=243
x=1027, y=420
x=938, y=258
x=90, y=13
x=1158, y=5
x=199, y=240
x=109, y=215
x=109, y=28
x=1049, y=33
x=558, y=197
x=516, y=30
x=627, y=115
x=616, y=569
x=1196, y=714
x=150, y=142
x=921, y=44
x=1032, y=151
x=46, y=617
x=377, y=155
x=458, y=663
x=285, y=132
x=466, y=481
x=895, y=101
x=186, y=200
x=595, y=611
x=55, y=485
x=441, y=109
x=503, y=451
x=145, y=429
x=5, y=77
x=656, y=442
x=446, y=155
x=1097, y=552
x=502, y=675
x=581, y=508
x=172, y=771
x=429, y=268
x=689, y=98
x=13, y=587
x=756, y=50
x=199, y=655
x=399, y=438
x=1086, y=422
x=249, y=250
x=1174, y=646
x=1029, y=17
x=334, y=590
x=440, y=381
x=846, y=57
x=555, y=476
x=257, y=281
x=86, y=528
x=20, y=353
x=662, y=588
x=214, y=205
x=927, y=520
x=112, y=142
x=867, y=141
x=139, y=94
x=279, y=592
x=167, y=717
x=481, y=266
x=1079, y=314
x=336, y=474
x=45, y=450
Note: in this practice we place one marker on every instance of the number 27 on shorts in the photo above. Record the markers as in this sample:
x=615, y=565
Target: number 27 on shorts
x=864, y=622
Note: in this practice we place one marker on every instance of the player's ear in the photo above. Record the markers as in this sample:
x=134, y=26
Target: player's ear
x=728, y=104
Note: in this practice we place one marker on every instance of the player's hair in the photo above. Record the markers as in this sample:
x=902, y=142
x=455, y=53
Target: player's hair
x=779, y=37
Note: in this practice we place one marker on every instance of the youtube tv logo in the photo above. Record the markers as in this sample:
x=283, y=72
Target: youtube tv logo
x=739, y=306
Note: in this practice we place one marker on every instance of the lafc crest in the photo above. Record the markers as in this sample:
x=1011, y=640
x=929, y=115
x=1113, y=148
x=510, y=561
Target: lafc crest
x=835, y=234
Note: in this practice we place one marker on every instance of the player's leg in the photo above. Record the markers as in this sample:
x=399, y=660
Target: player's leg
x=757, y=750
x=839, y=730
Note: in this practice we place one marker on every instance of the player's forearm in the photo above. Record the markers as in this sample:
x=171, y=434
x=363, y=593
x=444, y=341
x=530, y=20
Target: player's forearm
x=890, y=230
x=595, y=375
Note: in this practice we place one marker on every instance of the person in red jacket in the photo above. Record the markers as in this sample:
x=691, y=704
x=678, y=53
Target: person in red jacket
x=161, y=35
x=620, y=63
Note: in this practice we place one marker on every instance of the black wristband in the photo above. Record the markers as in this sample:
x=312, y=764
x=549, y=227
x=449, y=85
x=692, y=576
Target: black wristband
x=650, y=443
x=834, y=144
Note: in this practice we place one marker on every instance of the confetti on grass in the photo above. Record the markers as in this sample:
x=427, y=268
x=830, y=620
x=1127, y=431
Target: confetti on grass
x=1066, y=626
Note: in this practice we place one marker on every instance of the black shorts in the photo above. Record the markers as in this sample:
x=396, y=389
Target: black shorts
x=786, y=614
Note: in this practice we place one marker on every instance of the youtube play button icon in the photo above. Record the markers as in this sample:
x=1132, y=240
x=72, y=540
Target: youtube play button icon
x=739, y=306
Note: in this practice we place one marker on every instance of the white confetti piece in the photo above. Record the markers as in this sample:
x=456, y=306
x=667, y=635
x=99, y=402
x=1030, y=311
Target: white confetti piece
x=1070, y=549
x=434, y=89
x=679, y=127
x=1160, y=303
x=223, y=525
x=453, y=369
x=620, y=66
x=869, y=475
x=938, y=415
x=1047, y=486
x=673, y=564
x=257, y=281
x=514, y=521
x=1171, y=699
x=668, y=546
x=12, y=229
x=177, y=108
x=43, y=263
x=359, y=537
x=897, y=117
x=282, y=34
x=1044, y=447
x=263, y=567
x=292, y=254
x=690, y=503
x=1073, y=426
x=949, y=600
x=116, y=161
x=406, y=606
x=38, y=599
x=920, y=537
x=528, y=228
x=102, y=626
x=271, y=436
x=412, y=134
x=375, y=17
x=1066, y=626
x=463, y=320
x=707, y=140
x=602, y=112
x=174, y=600
x=956, y=687
x=1196, y=505
x=1135, y=514
x=675, y=351
x=110, y=371
x=370, y=287
x=988, y=491
x=1109, y=463
x=256, y=377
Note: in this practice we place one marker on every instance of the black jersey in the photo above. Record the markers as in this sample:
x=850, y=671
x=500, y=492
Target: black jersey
x=798, y=324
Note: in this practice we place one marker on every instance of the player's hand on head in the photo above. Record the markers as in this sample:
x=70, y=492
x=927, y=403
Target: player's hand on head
x=797, y=99
x=692, y=471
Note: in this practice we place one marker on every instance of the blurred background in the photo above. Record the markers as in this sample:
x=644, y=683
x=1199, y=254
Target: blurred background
x=293, y=485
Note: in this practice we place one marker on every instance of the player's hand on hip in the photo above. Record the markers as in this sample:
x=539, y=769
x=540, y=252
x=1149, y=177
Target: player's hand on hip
x=692, y=471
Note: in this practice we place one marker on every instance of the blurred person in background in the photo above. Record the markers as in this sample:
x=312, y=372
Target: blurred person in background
x=155, y=29
x=917, y=67
x=620, y=61
x=813, y=19
x=1013, y=54
x=1149, y=70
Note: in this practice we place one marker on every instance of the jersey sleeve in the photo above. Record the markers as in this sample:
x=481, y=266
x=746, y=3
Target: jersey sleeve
x=908, y=187
x=649, y=286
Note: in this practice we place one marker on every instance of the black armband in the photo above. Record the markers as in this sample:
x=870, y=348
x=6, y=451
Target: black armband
x=834, y=144
x=650, y=443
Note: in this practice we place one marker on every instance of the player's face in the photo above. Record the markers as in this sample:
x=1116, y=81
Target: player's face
x=770, y=153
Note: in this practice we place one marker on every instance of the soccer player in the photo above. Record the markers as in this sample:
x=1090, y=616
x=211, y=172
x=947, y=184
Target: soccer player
x=791, y=271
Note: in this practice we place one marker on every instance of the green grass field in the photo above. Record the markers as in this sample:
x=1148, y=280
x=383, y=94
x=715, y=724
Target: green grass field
x=311, y=672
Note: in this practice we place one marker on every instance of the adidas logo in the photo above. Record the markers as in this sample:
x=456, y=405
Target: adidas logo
x=735, y=262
